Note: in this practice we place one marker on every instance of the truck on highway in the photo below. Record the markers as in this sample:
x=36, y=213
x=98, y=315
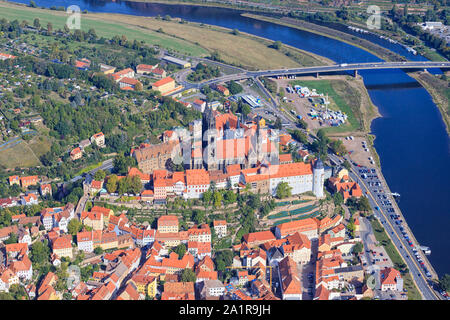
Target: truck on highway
x=343, y=65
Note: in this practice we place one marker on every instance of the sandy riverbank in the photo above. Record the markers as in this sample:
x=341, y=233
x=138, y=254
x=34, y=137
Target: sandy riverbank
x=439, y=91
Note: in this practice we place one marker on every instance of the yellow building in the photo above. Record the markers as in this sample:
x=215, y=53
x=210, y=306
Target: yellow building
x=342, y=173
x=168, y=224
x=145, y=284
x=106, y=213
x=62, y=247
x=92, y=219
x=164, y=86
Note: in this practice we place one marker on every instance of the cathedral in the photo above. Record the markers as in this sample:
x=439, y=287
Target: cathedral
x=228, y=140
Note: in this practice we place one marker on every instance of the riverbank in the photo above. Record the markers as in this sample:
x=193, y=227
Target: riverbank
x=366, y=45
x=439, y=91
x=237, y=48
x=186, y=38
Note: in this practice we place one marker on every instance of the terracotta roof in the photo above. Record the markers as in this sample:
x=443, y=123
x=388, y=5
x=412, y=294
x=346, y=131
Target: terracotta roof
x=197, y=177
x=163, y=82
x=261, y=236
x=297, y=226
x=388, y=276
x=290, y=281
x=233, y=169
x=61, y=243
x=217, y=223
x=145, y=67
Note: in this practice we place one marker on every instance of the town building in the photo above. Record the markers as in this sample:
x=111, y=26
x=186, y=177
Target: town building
x=220, y=228
x=76, y=154
x=98, y=139
x=290, y=284
x=164, y=86
x=168, y=224
x=390, y=279
x=144, y=68
x=154, y=157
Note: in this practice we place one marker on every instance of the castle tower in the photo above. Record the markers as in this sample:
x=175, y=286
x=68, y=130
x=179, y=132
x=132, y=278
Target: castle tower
x=318, y=178
x=209, y=139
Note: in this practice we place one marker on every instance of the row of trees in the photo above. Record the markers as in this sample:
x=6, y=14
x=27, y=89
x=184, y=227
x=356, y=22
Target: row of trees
x=203, y=72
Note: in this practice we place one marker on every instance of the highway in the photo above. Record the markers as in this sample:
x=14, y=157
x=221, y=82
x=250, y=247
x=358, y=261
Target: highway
x=321, y=69
x=416, y=271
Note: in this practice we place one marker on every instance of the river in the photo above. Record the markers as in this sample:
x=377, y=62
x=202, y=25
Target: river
x=411, y=139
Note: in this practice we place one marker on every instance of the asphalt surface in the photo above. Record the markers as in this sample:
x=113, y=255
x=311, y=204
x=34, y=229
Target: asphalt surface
x=320, y=69
x=418, y=274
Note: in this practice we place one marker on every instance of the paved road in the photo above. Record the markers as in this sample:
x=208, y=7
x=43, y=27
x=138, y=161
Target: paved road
x=417, y=273
x=106, y=165
x=321, y=69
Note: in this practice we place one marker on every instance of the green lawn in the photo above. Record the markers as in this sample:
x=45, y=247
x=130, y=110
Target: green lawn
x=349, y=104
x=102, y=28
x=20, y=155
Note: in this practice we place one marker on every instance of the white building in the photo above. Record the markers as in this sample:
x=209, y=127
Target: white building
x=197, y=182
x=85, y=242
x=318, y=177
x=220, y=228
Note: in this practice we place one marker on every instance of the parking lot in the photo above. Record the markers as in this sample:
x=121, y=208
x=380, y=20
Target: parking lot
x=371, y=179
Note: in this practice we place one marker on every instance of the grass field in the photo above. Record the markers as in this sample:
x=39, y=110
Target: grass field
x=242, y=49
x=382, y=237
x=40, y=145
x=102, y=28
x=188, y=38
x=20, y=155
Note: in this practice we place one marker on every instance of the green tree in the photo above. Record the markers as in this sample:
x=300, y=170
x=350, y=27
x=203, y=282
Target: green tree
x=207, y=197
x=364, y=204
x=302, y=124
x=100, y=175
x=217, y=199
x=37, y=23
x=284, y=190
x=299, y=136
x=358, y=248
x=98, y=250
x=111, y=184
x=121, y=164
x=198, y=216
x=188, y=275
x=74, y=226
x=135, y=184
x=278, y=124
x=346, y=165
x=13, y=238
x=223, y=259
x=39, y=252
x=444, y=282
x=180, y=250
x=338, y=147
x=338, y=199
x=277, y=45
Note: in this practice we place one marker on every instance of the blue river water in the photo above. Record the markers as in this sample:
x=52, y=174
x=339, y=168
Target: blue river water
x=411, y=139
